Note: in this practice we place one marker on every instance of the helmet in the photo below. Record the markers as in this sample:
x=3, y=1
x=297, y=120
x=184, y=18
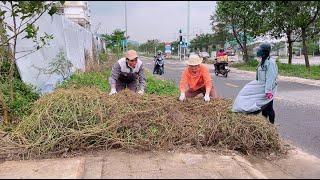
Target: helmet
x=159, y=52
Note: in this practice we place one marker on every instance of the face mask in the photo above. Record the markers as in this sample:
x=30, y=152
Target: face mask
x=259, y=59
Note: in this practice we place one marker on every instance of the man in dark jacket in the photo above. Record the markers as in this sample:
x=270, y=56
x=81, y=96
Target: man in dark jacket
x=126, y=73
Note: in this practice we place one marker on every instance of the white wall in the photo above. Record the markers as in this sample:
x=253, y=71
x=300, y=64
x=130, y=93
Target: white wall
x=69, y=36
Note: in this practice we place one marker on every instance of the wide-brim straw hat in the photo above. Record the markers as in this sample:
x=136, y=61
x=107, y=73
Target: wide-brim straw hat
x=194, y=60
x=131, y=54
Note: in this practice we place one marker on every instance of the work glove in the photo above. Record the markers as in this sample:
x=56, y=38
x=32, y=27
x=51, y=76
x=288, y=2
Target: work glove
x=141, y=92
x=182, y=96
x=113, y=90
x=269, y=95
x=206, y=97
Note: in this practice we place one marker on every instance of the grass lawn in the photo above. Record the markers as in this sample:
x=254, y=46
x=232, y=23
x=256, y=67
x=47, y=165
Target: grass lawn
x=295, y=70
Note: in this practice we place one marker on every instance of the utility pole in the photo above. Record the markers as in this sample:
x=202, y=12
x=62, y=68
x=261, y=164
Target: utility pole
x=188, y=22
x=125, y=11
x=180, y=43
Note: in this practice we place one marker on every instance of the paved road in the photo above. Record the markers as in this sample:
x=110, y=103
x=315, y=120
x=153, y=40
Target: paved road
x=296, y=105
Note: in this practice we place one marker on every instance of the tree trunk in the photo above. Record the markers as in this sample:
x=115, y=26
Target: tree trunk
x=290, y=46
x=12, y=55
x=245, y=48
x=290, y=52
x=245, y=54
x=4, y=109
x=305, y=48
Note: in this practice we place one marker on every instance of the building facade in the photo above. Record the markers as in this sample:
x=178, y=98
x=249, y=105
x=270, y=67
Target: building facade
x=77, y=11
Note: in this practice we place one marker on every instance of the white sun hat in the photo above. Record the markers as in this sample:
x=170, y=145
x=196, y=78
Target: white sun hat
x=194, y=60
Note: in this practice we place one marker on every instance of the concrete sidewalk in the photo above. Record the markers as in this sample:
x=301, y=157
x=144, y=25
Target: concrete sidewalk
x=117, y=164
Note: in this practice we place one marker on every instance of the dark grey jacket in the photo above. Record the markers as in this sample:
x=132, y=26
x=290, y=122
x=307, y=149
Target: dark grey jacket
x=121, y=69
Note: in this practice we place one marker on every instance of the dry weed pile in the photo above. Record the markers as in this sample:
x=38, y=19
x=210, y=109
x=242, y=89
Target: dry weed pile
x=83, y=119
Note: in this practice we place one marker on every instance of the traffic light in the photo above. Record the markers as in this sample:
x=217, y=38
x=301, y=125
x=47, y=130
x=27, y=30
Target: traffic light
x=180, y=39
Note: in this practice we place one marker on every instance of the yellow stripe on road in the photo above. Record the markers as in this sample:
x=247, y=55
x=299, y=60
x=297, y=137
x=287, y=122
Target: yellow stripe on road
x=232, y=85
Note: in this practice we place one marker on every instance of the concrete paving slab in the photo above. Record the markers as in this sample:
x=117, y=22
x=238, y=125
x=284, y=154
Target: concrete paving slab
x=143, y=162
x=300, y=165
x=116, y=164
x=232, y=166
x=93, y=167
x=70, y=168
x=270, y=170
x=179, y=165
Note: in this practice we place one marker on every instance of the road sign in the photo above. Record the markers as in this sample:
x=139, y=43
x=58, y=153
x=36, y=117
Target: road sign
x=124, y=42
x=167, y=48
x=184, y=45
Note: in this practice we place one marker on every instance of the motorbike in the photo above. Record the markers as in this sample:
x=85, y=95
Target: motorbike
x=159, y=66
x=221, y=67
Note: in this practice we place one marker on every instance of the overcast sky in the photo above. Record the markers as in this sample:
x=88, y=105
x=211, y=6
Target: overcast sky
x=152, y=19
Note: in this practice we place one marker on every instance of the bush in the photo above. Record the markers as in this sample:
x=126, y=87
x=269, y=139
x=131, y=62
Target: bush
x=23, y=95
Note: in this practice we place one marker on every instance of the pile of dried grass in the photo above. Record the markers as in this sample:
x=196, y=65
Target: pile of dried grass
x=84, y=119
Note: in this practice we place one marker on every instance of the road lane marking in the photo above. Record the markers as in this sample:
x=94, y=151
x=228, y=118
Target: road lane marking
x=232, y=85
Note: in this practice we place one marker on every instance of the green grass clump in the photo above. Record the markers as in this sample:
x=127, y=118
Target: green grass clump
x=295, y=70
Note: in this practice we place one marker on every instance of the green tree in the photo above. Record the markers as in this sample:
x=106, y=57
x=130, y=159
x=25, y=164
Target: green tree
x=151, y=45
x=175, y=46
x=313, y=46
x=280, y=20
x=202, y=42
x=243, y=18
x=308, y=21
x=221, y=33
x=113, y=41
x=133, y=46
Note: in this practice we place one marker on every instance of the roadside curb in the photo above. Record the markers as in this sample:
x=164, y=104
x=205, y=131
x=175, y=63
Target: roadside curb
x=247, y=166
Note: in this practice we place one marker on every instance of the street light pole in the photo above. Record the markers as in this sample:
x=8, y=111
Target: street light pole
x=188, y=22
x=125, y=11
x=188, y=30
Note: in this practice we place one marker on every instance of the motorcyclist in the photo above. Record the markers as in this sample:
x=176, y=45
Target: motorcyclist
x=158, y=56
x=220, y=53
x=221, y=56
